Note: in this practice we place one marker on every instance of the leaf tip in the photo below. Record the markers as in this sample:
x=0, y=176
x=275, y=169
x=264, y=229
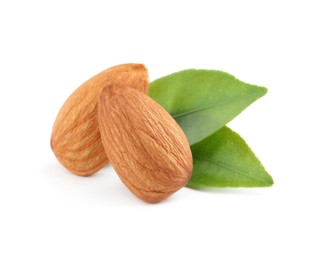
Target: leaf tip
x=262, y=90
x=269, y=181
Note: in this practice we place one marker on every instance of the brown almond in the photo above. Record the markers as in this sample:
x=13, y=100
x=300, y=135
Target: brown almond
x=146, y=147
x=75, y=138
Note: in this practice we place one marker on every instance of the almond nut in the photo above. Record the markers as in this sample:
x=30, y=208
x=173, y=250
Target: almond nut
x=146, y=147
x=75, y=138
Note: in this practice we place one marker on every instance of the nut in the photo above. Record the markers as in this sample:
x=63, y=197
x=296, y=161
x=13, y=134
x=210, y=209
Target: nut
x=75, y=138
x=146, y=147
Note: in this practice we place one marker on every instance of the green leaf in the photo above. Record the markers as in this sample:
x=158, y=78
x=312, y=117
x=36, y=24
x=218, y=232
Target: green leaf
x=203, y=101
x=225, y=160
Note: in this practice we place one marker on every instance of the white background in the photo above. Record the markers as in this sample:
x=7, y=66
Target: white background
x=47, y=49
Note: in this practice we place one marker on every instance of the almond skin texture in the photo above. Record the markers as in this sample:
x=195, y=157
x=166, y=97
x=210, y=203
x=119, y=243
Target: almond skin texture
x=146, y=147
x=75, y=138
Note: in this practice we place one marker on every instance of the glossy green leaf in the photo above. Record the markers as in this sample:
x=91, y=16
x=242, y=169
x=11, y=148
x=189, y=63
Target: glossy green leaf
x=225, y=160
x=203, y=101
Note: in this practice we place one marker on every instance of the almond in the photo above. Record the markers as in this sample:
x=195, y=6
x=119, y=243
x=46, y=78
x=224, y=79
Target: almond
x=146, y=147
x=75, y=138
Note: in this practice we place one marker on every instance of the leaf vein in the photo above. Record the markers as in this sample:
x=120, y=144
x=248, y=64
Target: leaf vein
x=239, y=98
x=232, y=169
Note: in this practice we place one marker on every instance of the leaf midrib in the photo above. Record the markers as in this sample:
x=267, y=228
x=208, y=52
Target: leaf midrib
x=210, y=106
x=230, y=168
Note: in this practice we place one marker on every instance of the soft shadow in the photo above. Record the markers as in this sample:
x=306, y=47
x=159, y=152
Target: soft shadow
x=237, y=191
x=55, y=168
x=102, y=188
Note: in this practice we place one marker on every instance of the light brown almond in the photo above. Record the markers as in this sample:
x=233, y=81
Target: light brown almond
x=75, y=138
x=146, y=147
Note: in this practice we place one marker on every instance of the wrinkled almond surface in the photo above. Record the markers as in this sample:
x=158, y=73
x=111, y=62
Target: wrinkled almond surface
x=75, y=138
x=146, y=147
